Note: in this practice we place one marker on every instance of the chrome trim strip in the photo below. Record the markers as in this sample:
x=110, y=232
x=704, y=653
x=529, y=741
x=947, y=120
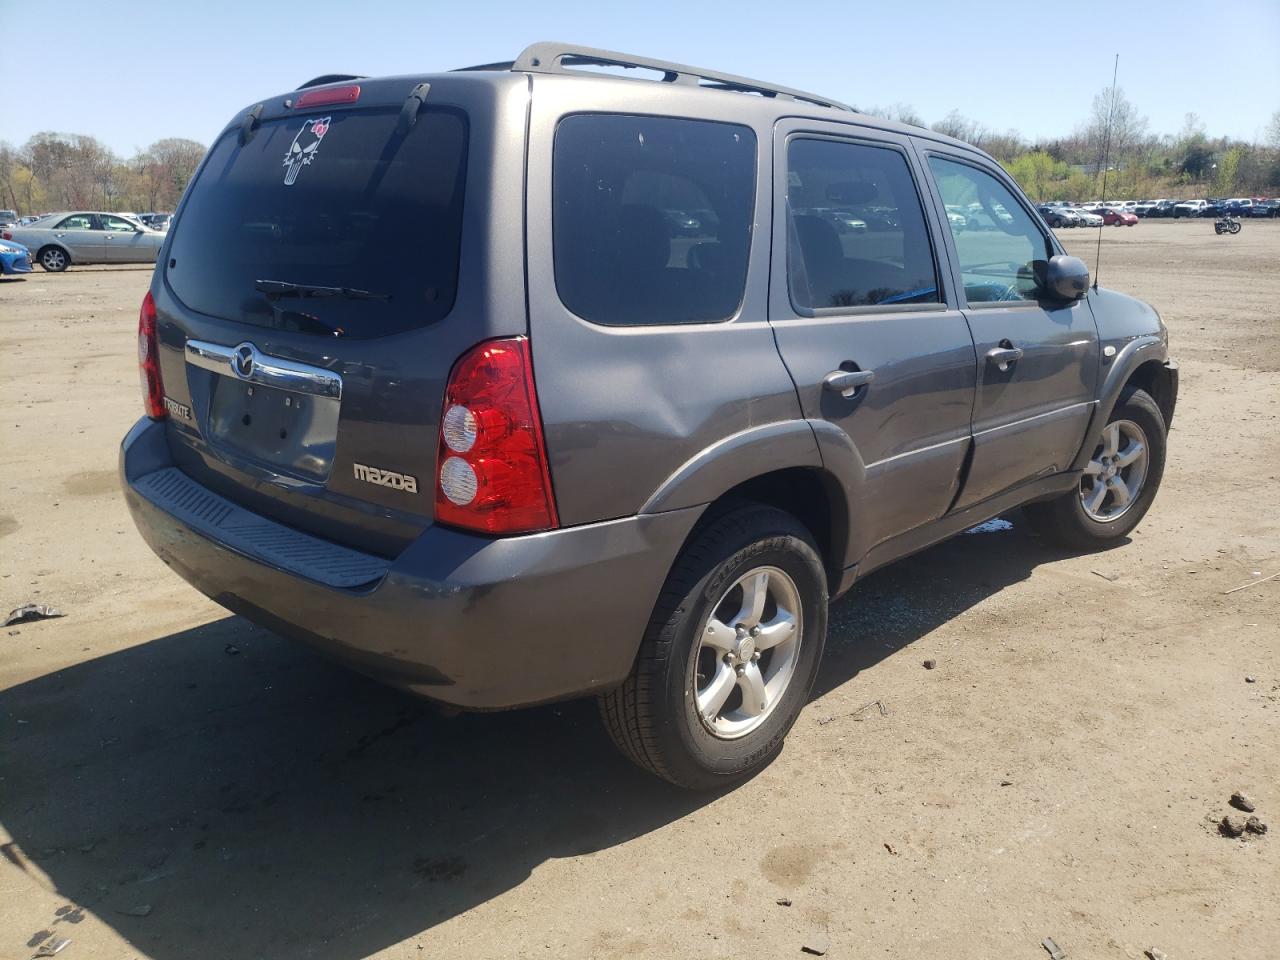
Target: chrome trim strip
x=264, y=369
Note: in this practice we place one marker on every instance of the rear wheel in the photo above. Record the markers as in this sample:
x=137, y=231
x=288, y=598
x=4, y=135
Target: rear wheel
x=1119, y=481
x=54, y=259
x=730, y=653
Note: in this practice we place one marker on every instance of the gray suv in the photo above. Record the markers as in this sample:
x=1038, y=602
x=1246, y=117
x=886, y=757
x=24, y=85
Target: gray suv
x=535, y=380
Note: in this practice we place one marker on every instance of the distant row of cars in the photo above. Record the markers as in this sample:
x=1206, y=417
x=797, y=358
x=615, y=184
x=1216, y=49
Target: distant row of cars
x=57, y=240
x=1062, y=213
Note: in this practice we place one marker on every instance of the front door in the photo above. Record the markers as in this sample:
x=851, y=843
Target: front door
x=867, y=324
x=120, y=240
x=1037, y=358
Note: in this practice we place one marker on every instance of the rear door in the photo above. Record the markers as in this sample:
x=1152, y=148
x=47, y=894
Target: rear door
x=866, y=323
x=321, y=278
x=82, y=234
x=1037, y=358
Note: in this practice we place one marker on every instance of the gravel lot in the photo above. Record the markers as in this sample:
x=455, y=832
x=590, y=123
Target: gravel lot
x=175, y=783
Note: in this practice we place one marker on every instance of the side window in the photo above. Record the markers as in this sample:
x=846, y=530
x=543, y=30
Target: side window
x=1001, y=249
x=652, y=218
x=78, y=221
x=857, y=229
x=116, y=223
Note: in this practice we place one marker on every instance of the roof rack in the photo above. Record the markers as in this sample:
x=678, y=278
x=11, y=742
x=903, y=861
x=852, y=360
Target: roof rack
x=561, y=58
x=321, y=80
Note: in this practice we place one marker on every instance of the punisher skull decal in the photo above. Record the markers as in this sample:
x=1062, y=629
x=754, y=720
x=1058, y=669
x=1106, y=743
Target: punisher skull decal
x=304, y=147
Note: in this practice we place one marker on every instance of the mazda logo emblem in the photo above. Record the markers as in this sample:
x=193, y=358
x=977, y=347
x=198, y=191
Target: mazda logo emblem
x=243, y=360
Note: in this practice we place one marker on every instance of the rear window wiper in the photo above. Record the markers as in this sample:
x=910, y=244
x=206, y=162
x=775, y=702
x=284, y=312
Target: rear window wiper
x=283, y=288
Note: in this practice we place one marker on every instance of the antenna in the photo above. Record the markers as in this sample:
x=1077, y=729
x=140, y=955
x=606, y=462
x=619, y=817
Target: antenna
x=1106, y=166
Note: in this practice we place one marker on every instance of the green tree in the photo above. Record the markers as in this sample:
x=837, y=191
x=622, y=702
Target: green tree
x=1227, y=170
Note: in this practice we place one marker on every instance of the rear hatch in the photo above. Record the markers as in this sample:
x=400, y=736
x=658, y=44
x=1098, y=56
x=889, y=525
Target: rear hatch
x=325, y=270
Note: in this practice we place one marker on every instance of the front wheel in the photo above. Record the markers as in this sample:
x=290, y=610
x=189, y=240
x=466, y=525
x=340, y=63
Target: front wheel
x=1235, y=227
x=1118, y=483
x=730, y=653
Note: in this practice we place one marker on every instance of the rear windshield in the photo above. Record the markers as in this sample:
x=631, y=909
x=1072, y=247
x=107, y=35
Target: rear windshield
x=341, y=202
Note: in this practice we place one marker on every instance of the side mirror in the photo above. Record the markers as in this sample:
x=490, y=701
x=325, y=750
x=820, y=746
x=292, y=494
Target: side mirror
x=1066, y=278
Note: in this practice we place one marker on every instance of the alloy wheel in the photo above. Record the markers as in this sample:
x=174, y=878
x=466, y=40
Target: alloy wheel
x=747, y=652
x=1114, y=477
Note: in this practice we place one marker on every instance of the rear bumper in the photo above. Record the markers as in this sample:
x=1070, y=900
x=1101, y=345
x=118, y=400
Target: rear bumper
x=470, y=621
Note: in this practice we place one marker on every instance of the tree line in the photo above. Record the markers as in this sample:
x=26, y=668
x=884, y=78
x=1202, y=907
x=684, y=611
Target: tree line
x=68, y=171
x=1115, y=138
x=61, y=171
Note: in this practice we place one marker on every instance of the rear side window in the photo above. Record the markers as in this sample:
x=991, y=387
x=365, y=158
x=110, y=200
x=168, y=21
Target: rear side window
x=1000, y=248
x=857, y=230
x=343, y=202
x=652, y=218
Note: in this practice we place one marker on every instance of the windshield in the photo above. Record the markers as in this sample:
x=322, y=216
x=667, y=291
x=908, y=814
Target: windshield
x=340, y=201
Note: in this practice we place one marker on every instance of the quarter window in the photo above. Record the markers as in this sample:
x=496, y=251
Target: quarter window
x=652, y=218
x=857, y=230
x=1001, y=250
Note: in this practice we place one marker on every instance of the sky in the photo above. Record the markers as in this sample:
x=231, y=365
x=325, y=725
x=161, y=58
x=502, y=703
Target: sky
x=130, y=72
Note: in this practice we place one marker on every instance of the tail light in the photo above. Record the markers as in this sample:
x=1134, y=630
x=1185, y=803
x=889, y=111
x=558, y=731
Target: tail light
x=149, y=360
x=492, y=458
x=6, y=235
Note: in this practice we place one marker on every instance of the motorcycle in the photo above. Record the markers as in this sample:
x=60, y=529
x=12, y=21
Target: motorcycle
x=1226, y=224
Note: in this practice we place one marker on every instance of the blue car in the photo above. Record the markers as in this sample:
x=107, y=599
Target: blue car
x=14, y=258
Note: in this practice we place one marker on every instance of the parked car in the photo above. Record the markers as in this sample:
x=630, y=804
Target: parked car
x=1266, y=208
x=157, y=221
x=61, y=239
x=713, y=446
x=8, y=218
x=1059, y=217
x=14, y=258
x=1163, y=208
x=957, y=218
x=1190, y=208
x=1116, y=217
x=1088, y=218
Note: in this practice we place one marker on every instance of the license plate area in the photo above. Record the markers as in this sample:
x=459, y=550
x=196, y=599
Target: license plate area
x=291, y=432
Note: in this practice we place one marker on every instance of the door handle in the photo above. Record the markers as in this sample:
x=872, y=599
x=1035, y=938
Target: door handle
x=847, y=382
x=1003, y=356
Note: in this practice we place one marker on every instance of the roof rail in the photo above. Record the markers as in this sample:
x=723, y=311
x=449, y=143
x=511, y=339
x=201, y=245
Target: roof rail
x=555, y=57
x=321, y=80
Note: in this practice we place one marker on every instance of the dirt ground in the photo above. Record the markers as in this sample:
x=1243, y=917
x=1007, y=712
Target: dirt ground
x=175, y=783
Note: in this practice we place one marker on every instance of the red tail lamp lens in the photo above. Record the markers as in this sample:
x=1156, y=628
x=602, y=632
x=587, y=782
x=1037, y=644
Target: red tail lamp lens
x=149, y=360
x=492, y=458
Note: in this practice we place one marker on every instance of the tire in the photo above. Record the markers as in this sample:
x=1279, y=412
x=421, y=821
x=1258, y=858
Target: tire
x=1065, y=520
x=653, y=717
x=1235, y=228
x=1217, y=228
x=53, y=259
